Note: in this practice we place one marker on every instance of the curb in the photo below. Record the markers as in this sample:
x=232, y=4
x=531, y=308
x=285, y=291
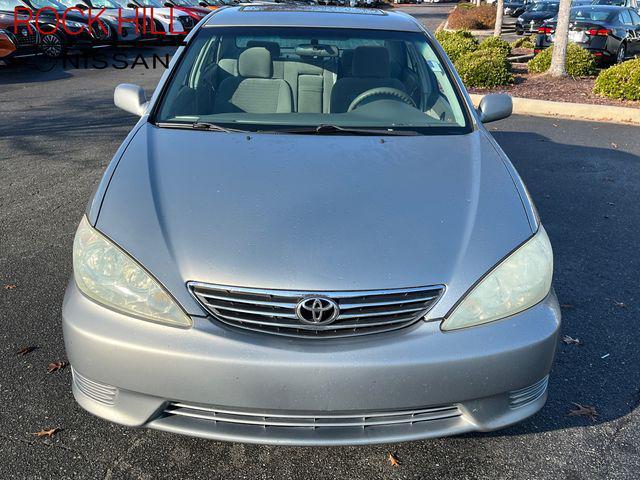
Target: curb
x=574, y=111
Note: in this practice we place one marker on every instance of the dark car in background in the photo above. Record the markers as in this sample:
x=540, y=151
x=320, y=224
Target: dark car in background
x=535, y=16
x=617, y=3
x=611, y=33
x=17, y=40
x=513, y=8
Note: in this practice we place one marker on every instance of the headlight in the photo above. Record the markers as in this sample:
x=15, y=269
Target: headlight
x=515, y=284
x=106, y=274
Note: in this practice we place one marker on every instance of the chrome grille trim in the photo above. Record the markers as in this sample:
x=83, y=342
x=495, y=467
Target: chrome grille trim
x=273, y=311
x=312, y=420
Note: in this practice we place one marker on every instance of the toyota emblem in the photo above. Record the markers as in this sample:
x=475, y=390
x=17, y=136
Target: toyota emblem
x=317, y=311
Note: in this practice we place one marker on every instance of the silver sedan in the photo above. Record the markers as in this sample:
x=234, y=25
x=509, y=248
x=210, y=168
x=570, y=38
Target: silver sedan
x=310, y=238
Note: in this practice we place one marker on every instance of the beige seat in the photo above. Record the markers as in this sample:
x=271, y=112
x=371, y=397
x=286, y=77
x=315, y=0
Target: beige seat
x=254, y=90
x=371, y=68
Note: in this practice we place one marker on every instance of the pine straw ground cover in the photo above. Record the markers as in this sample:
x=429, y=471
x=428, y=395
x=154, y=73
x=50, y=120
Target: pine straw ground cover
x=544, y=87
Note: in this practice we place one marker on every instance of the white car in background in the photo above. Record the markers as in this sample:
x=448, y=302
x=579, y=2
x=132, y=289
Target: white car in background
x=171, y=21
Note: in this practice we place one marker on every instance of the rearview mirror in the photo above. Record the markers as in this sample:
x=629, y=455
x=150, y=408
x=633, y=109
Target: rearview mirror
x=130, y=98
x=495, y=107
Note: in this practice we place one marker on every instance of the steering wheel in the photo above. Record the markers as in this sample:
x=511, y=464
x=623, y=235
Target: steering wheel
x=384, y=92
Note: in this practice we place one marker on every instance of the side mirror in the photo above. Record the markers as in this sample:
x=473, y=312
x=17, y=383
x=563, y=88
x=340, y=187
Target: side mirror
x=167, y=4
x=82, y=6
x=132, y=5
x=204, y=4
x=495, y=107
x=130, y=98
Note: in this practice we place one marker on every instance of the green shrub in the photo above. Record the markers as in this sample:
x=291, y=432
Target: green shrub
x=496, y=43
x=477, y=18
x=484, y=68
x=456, y=43
x=620, y=81
x=466, y=5
x=524, y=42
x=580, y=62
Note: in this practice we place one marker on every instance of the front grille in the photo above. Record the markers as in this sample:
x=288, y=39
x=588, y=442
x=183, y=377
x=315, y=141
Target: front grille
x=99, y=392
x=274, y=311
x=524, y=396
x=26, y=37
x=359, y=420
x=187, y=22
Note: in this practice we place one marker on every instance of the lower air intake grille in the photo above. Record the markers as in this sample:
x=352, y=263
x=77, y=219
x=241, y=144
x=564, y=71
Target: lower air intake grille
x=312, y=421
x=524, y=396
x=99, y=392
x=278, y=311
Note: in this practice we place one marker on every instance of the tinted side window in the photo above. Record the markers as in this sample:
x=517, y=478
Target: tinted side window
x=625, y=18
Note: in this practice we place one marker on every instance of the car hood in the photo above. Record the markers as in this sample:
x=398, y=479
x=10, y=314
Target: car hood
x=313, y=212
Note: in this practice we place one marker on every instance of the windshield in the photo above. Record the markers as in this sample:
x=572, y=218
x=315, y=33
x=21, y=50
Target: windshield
x=544, y=7
x=10, y=5
x=149, y=3
x=103, y=4
x=47, y=3
x=258, y=78
x=590, y=14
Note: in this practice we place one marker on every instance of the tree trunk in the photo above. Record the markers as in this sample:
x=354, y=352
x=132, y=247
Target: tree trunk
x=497, y=30
x=478, y=2
x=559, y=58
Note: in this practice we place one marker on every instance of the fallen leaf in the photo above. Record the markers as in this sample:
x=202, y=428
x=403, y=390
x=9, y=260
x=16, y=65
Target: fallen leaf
x=55, y=366
x=614, y=145
x=47, y=432
x=584, y=411
x=25, y=350
x=393, y=460
x=9, y=286
x=571, y=341
x=611, y=203
x=566, y=305
x=620, y=304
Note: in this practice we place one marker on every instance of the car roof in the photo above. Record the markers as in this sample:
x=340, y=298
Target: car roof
x=311, y=16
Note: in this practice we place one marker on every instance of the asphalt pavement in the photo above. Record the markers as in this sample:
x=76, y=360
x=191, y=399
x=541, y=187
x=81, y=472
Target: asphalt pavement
x=58, y=131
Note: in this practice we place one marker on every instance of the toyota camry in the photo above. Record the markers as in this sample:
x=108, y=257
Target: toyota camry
x=310, y=238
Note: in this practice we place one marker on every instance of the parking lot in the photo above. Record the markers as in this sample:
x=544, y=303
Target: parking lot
x=58, y=131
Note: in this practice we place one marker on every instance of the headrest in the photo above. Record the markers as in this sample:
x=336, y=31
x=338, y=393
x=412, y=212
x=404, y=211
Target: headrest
x=255, y=62
x=371, y=62
x=273, y=47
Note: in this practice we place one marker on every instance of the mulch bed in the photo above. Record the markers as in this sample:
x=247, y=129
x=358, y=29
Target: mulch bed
x=544, y=87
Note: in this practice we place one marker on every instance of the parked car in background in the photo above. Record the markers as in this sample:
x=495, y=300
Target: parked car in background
x=172, y=22
x=196, y=9
x=535, y=15
x=514, y=8
x=54, y=41
x=617, y=3
x=17, y=40
x=130, y=30
x=309, y=237
x=611, y=33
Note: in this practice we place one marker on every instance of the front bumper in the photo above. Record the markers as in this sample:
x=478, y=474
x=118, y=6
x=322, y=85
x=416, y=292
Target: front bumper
x=215, y=382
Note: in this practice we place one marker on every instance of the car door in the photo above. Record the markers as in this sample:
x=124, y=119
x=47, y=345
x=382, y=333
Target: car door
x=628, y=32
x=635, y=40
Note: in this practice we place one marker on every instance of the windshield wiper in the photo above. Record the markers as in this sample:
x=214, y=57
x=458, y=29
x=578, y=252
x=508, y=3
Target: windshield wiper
x=327, y=129
x=213, y=127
